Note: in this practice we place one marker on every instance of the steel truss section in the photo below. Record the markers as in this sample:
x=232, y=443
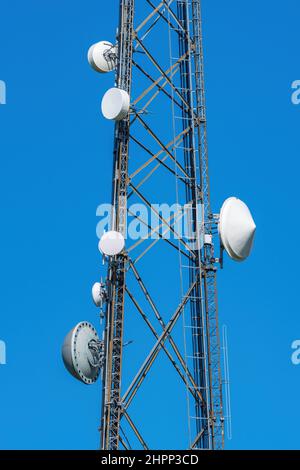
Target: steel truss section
x=110, y=422
x=183, y=85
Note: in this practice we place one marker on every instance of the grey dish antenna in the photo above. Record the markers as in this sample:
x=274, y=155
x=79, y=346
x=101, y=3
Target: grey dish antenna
x=82, y=353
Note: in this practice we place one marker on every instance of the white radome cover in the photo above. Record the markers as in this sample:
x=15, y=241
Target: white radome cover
x=76, y=354
x=115, y=104
x=111, y=243
x=102, y=56
x=236, y=228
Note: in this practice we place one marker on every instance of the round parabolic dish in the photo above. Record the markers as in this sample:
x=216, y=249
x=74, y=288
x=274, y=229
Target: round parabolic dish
x=77, y=355
x=111, y=243
x=96, y=294
x=236, y=228
x=115, y=104
x=102, y=56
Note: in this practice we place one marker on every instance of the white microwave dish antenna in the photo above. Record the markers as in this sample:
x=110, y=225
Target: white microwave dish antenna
x=98, y=294
x=111, y=243
x=236, y=228
x=115, y=104
x=102, y=56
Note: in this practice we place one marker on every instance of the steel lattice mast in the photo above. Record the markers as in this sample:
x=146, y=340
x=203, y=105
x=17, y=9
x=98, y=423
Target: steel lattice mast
x=183, y=84
x=111, y=412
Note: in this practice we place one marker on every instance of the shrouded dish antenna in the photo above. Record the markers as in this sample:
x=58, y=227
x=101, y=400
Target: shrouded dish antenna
x=81, y=353
x=102, y=56
x=236, y=228
x=111, y=243
x=115, y=104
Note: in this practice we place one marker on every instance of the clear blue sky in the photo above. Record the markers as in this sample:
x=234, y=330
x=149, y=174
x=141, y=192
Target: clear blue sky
x=56, y=169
